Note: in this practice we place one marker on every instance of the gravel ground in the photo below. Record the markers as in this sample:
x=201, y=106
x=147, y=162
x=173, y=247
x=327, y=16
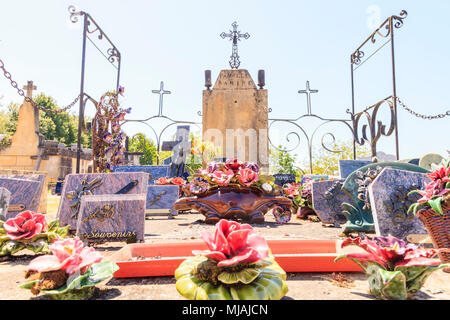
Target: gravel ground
x=186, y=227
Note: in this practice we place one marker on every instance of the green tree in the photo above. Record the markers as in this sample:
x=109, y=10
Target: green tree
x=140, y=143
x=281, y=161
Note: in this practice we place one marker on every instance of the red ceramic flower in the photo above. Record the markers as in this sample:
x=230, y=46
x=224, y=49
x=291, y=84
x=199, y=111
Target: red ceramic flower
x=178, y=181
x=234, y=164
x=162, y=180
x=442, y=173
x=247, y=176
x=233, y=244
x=69, y=255
x=222, y=178
x=291, y=190
x=25, y=225
x=391, y=252
x=432, y=189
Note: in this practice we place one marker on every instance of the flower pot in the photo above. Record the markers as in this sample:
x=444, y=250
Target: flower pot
x=233, y=203
x=438, y=227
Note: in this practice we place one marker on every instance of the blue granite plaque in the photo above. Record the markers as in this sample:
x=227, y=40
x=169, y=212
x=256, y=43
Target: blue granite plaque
x=161, y=198
x=154, y=172
x=346, y=167
x=25, y=195
x=283, y=178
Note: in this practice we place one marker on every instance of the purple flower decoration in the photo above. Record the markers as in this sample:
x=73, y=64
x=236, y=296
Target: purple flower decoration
x=213, y=166
x=253, y=166
x=121, y=90
x=198, y=185
x=108, y=137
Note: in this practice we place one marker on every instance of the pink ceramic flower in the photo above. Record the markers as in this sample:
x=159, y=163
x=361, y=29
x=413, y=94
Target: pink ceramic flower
x=25, y=225
x=222, y=178
x=234, y=164
x=442, y=173
x=178, y=181
x=233, y=244
x=69, y=255
x=247, y=176
x=162, y=180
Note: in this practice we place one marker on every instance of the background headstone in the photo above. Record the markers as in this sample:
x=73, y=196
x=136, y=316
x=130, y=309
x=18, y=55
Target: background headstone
x=283, y=178
x=5, y=197
x=23, y=192
x=112, y=218
x=314, y=177
x=161, y=198
x=346, y=167
x=111, y=183
x=430, y=158
x=389, y=202
x=327, y=198
x=154, y=172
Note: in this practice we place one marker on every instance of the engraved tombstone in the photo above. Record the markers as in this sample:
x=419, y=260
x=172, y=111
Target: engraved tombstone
x=327, y=198
x=389, y=201
x=346, y=167
x=25, y=195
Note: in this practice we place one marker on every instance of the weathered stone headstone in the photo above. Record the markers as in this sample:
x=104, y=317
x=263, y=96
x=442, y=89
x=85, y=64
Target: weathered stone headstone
x=327, y=197
x=358, y=212
x=111, y=218
x=77, y=186
x=346, y=167
x=283, y=178
x=161, y=198
x=5, y=197
x=25, y=195
x=389, y=202
x=154, y=172
x=181, y=147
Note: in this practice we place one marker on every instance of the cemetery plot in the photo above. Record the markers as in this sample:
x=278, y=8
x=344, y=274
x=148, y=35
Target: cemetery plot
x=25, y=195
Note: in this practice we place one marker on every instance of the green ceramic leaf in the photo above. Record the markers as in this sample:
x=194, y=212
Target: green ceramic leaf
x=102, y=270
x=38, y=246
x=244, y=276
x=208, y=291
x=417, y=275
x=11, y=247
x=252, y=291
x=435, y=204
x=53, y=225
x=386, y=284
x=187, y=286
x=28, y=285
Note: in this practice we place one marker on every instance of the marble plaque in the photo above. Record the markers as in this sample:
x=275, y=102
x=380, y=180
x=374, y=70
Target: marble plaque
x=95, y=184
x=108, y=218
x=25, y=195
x=389, y=202
x=346, y=167
x=154, y=172
x=5, y=197
x=162, y=198
x=327, y=198
x=283, y=178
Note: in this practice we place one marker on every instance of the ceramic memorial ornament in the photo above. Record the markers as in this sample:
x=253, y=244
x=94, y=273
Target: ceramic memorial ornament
x=234, y=190
x=69, y=273
x=237, y=266
x=433, y=208
x=301, y=197
x=394, y=270
x=29, y=230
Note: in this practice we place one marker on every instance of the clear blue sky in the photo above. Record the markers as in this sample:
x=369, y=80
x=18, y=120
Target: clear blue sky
x=293, y=41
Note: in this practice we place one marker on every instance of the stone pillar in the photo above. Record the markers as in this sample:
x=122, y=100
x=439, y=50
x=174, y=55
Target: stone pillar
x=235, y=117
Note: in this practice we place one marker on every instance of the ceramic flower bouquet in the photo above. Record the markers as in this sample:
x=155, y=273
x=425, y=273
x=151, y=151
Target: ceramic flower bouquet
x=70, y=272
x=237, y=266
x=301, y=196
x=394, y=270
x=178, y=181
x=29, y=230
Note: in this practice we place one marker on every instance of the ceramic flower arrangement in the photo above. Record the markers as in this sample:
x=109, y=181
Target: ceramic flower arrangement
x=394, y=270
x=301, y=197
x=29, y=230
x=178, y=181
x=237, y=266
x=437, y=191
x=69, y=273
x=231, y=173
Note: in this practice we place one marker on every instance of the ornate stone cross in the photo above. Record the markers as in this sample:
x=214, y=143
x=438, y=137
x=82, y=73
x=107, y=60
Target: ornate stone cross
x=29, y=87
x=236, y=36
x=308, y=92
x=161, y=93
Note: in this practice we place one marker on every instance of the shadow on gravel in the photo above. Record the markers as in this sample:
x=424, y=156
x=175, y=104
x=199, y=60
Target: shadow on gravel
x=140, y=281
x=18, y=260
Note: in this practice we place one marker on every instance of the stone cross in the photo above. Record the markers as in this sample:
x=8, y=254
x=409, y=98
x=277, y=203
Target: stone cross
x=308, y=92
x=236, y=36
x=161, y=93
x=30, y=87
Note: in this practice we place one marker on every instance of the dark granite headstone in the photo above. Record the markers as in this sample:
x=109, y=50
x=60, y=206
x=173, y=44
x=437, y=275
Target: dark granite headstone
x=112, y=218
x=160, y=199
x=346, y=167
x=327, y=198
x=155, y=172
x=110, y=183
x=5, y=197
x=25, y=195
x=389, y=202
x=283, y=178
x=41, y=207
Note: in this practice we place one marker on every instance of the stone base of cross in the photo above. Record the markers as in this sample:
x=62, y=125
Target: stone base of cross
x=181, y=147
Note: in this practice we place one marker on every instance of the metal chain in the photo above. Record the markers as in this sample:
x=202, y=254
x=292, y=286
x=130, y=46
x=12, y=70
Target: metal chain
x=438, y=116
x=22, y=93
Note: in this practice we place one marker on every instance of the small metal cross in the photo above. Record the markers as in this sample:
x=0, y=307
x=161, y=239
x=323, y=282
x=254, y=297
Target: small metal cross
x=236, y=36
x=29, y=87
x=308, y=92
x=161, y=92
